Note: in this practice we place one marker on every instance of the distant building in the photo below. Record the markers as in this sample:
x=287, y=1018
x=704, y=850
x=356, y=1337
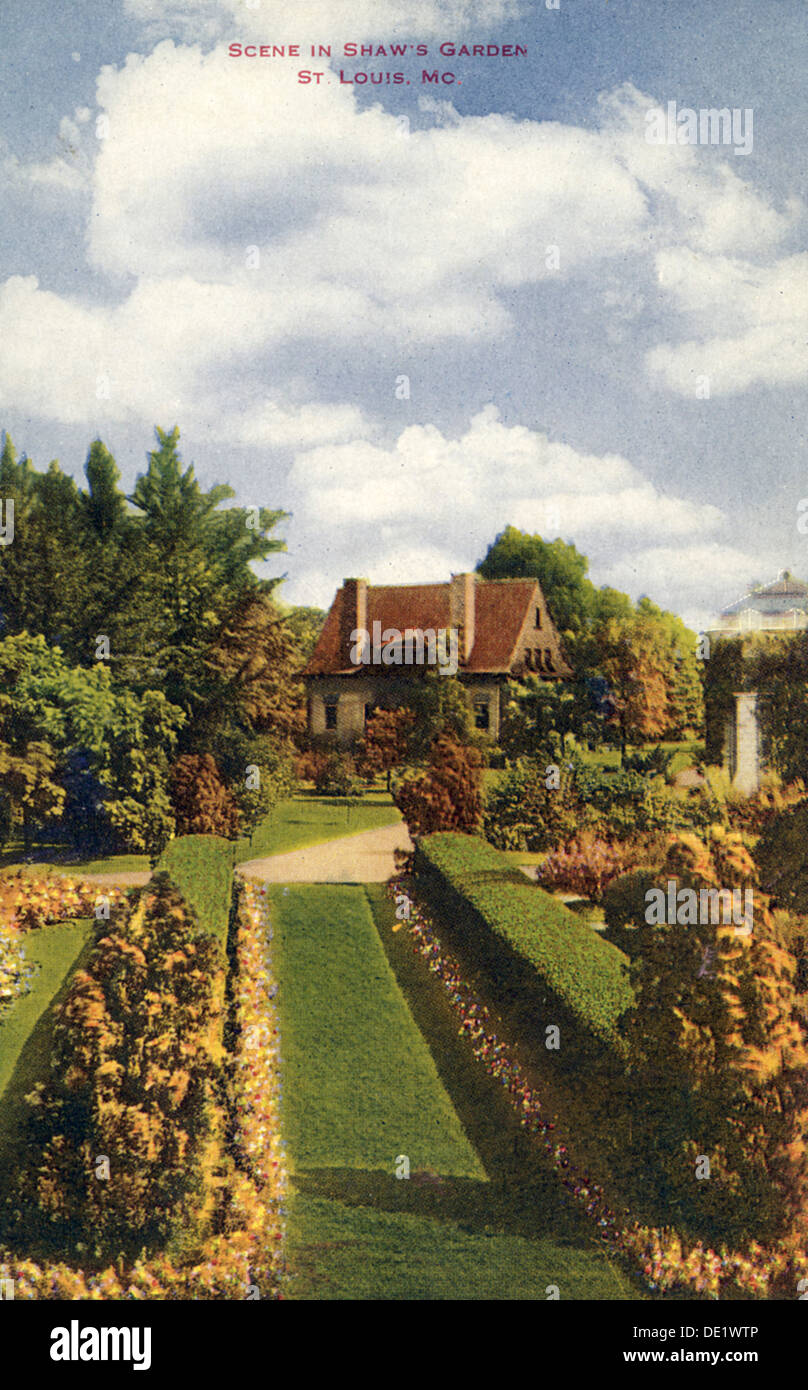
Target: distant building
x=774, y=610
x=779, y=607
x=501, y=629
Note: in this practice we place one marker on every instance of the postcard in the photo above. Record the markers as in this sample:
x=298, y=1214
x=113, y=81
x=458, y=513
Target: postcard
x=404, y=666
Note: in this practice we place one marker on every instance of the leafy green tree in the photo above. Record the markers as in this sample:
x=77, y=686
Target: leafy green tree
x=559, y=567
x=441, y=705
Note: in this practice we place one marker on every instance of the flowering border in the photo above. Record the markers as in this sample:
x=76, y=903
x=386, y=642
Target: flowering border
x=659, y=1255
x=247, y=1261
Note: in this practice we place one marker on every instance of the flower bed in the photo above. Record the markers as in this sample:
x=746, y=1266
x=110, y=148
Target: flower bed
x=30, y=903
x=245, y=1259
x=15, y=971
x=665, y=1261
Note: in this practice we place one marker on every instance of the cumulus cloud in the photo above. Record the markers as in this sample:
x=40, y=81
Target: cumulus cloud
x=236, y=215
x=751, y=322
x=440, y=501
x=320, y=20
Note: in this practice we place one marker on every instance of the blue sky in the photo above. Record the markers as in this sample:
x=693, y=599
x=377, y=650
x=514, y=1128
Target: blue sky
x=602, y=338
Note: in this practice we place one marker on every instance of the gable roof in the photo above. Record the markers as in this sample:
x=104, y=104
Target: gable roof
x=500, y=609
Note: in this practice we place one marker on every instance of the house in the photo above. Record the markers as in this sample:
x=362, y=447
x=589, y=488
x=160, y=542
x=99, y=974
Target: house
x=378, y=639
x=773, y=610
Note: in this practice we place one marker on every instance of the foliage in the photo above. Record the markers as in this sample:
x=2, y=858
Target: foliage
x=557, y=565
x=781, y=855
x=526, y=930
x=195, y=654
x=386, y=741
x=527, y=811
x=201, y=867
x=719, y=1059
x=448, y=795
x=200, y=800
x=441, y=705
x=336, y=775
x=542, y=804
x=587, y=865
x=134, y=1077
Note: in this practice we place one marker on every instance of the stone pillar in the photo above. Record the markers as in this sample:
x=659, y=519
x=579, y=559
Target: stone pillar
x=747, y=743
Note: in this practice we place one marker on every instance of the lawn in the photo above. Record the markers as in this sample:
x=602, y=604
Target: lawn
x=26, y=1029
x=360, y=1086
x=341, y=1252
x=311, y=820
x=372, y=1067
x=115, y=864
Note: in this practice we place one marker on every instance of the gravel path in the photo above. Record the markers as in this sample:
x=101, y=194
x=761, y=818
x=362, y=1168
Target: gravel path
x=363, y=858
x=135, y=879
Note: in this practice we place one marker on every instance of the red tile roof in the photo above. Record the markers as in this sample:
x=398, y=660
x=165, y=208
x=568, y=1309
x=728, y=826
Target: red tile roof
x=500, y=609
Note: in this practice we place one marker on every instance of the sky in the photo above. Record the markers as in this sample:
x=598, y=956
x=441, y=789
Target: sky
x=411, y=314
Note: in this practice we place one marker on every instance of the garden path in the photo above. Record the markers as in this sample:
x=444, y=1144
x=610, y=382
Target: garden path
x=364, y=858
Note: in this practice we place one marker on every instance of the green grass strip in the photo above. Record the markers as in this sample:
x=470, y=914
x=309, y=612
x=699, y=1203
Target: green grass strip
x=343, y=1252
x=307, y=820
x=26, y=1031
x=359, y=1083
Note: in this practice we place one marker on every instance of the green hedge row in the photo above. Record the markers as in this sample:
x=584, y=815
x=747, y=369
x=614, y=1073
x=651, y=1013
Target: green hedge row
x=527, y=942
x=201, y=867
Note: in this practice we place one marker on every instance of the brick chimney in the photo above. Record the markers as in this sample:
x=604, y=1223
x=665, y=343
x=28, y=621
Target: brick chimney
x=353, y=614
x=461, y=612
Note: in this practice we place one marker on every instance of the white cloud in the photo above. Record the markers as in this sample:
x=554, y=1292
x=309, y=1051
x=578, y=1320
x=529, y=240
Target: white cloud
x=696, y=580
x=428, y=504
x=255, y=215
x=320, y=21
x=753, y=322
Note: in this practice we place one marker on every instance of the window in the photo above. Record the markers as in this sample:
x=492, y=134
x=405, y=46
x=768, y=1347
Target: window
x=537, y=659
x=538, y=617
x=482, y=714
x=331, y=711
x=528, y=658
x=548, y=659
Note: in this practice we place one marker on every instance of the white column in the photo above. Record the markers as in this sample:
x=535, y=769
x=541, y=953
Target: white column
x=747, y=743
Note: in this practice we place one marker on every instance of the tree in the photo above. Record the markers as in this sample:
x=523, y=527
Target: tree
x=557, y=565
x=200, y=800
x=719, y=1059
x=441, y=706
x=634, y=661
x=448, y=795
x=386, y=742
x=109, y=750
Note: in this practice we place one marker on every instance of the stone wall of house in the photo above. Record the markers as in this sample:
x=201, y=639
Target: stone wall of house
x=352, y=695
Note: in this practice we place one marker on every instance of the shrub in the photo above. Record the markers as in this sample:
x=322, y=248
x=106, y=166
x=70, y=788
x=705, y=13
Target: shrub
x=135, y=1076
x=526, y=940
x=201, y=801
x=524, y=813
x=448, y=795
x=336, y=775
x=587, y=865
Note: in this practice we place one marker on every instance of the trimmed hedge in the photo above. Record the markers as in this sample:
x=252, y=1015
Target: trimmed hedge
x=526, y=941
x=201, y=867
